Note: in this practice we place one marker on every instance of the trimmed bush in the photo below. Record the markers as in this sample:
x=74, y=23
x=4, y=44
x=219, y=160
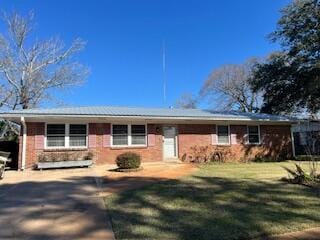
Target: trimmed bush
x=128, y=160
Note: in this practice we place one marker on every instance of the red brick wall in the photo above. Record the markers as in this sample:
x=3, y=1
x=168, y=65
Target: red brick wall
x=109, y=154
x=191, y=135
x=102, y=151
x=275, y=139
x=33, y=129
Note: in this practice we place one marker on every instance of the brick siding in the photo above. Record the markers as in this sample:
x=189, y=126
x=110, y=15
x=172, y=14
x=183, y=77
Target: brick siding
x=274, y=141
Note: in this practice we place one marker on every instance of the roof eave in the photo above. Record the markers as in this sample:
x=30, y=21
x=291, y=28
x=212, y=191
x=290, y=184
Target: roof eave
x=16, y=117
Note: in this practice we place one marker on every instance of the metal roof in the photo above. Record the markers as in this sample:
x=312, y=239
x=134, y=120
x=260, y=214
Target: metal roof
x=113, y=111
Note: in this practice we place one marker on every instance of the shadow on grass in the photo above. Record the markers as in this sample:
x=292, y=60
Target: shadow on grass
x=50, y=209
x=212, y=208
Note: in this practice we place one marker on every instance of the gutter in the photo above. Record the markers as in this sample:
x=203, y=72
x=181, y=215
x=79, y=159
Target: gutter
x=24, y=143
x=8, y=115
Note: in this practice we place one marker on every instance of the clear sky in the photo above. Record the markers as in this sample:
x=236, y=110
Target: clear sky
x=124, y=42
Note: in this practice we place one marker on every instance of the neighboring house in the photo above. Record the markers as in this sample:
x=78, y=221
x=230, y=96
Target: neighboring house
x=156, y=134
x=307, y=137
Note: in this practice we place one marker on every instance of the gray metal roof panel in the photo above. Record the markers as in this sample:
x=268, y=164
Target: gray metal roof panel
x=148, y=112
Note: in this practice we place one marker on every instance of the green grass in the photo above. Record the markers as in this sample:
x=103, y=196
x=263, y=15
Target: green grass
x=227, y=201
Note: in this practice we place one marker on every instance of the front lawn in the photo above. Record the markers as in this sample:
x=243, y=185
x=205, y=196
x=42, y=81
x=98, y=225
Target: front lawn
x=227, y=201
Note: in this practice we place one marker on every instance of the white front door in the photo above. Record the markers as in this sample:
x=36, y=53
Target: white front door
x=169, y=142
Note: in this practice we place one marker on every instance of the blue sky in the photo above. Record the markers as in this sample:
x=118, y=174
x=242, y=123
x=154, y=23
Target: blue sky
x=124, y=41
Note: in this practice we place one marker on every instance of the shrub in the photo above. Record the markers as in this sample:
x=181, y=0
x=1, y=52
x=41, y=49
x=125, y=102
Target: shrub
x=200, y=154
x=128, y=160
x=43, y=158
x=221, y=155
x=300, y=176
x=63, y=156
x=205, y=154
x=88, y=156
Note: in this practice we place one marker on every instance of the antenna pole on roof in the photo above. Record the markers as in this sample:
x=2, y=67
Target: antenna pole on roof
x=164, y=72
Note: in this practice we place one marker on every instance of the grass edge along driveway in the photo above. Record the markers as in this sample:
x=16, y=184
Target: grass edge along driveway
x=227, y=201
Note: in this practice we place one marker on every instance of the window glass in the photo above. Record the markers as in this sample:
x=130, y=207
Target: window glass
x=55, y=135
x=78, y=129
x=55, y=141
x=138, y=134
x=303, y=138
x=253, y=134
x=77, y=135
x=223, y=134
x=56, y=129
x=120, y=135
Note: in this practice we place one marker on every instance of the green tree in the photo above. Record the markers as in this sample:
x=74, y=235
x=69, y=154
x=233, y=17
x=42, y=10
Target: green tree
x=290, y=79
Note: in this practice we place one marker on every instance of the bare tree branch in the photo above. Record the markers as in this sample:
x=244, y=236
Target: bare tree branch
x=30, y=69
x=187, y=100
x=228, y=87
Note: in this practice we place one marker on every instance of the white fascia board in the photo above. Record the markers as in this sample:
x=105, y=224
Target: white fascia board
x=34, y=117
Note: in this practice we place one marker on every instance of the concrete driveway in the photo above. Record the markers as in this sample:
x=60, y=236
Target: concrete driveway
x=52, y=205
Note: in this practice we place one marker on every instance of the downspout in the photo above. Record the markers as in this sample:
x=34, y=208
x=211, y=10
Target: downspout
x=24, y=143
x=292, y=142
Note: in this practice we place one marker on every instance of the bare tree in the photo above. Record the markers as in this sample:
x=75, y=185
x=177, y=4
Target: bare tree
x=228, y=87
x=187, y=100
x=30, y=69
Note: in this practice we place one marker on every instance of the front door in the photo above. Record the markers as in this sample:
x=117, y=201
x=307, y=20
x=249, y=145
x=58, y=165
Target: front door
x=169, y=142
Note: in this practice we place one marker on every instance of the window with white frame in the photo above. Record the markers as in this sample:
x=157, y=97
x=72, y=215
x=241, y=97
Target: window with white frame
x=138, y=134
x=253, y=134
x=77, y=135
x=56, y=135
x=223, y=134
x=66, y=135
x=129, y=135
x=120, y=135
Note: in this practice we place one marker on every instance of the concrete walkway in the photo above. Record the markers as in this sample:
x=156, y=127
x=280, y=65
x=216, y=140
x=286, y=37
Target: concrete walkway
x=309, y=234
x=60, y=204
x=68, y=204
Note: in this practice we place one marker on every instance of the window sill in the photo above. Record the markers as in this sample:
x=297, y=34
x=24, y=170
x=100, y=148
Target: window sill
x=64, y=149
x=223, y=144
x=254, y=144
x=129, y=147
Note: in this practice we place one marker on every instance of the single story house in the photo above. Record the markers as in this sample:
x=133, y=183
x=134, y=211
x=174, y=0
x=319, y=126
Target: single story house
x=156, y=134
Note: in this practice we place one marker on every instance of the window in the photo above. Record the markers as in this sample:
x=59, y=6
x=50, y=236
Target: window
x=120, y=135
x=77, y=135
x=56, y=135
x=253, y=134
x=66, y=135
x=303, y=138
x=129, y=135
x=223, y=134
x=138, y=134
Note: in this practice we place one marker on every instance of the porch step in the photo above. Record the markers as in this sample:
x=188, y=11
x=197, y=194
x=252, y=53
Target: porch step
x=172, y=160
